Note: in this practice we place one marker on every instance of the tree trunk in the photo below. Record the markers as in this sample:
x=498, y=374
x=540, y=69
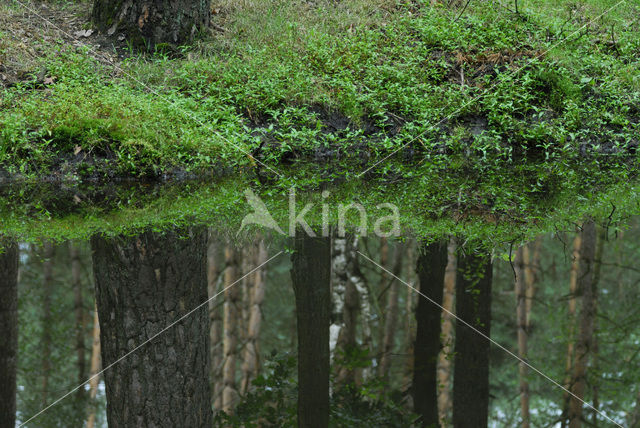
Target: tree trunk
x=446, y=353
x=251, y=360
x=600, y=239
x=47, y=285
x=9, y=329
x=95, y=368
x=147, y=23
x=391, y=315
x=214, y=282
x=338, y=289
x=431, y=267
x=310, y=275
x=409, y=318
x=144, y=284
x=521, y=322
x=231, y=316
x=634, y=419
x=471, y=363
x=79, y=312
x=586, y=287
x=571, y=320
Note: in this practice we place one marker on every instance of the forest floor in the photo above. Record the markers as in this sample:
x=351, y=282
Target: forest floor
x=478, y=111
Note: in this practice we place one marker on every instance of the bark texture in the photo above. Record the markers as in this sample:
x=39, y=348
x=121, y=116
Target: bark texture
x=431, y=267
x=9, y=332
x=146, y=23
x=587, y=290
x=232, y=300
x=95, y=368
x=471, y=376
x=310, y=275
x=145, y=283
x=251, y=360
x=446, y=353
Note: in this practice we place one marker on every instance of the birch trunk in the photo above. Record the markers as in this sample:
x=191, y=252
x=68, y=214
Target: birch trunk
x=586, y=287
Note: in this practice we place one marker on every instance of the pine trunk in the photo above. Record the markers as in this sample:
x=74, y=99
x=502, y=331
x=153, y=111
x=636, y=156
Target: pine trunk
x=146, y=23
x=144, y=284
x=521, y=322
x=79, y=312
x=431, y=267
x=471, y=362
x=232, y=314
x=47, y=289
x=571, y=333
x=9, y=329
x=95, y=369
x=251, y=360
x=214, y=282
x=587, y=291
x=390, y=315
x=310, y=275
x=446, y=353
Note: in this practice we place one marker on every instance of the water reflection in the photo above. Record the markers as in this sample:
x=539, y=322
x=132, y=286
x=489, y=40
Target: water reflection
x=238, y=352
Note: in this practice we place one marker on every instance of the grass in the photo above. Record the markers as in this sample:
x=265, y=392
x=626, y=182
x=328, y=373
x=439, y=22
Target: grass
x=479, y=113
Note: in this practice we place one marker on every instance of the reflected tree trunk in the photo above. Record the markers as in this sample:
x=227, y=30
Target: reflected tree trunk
x=390, y=314
x=521, y=322
x=572, y=327
x=364, y=298
x=310, y=275
x=9, y=331
x=584, y=343
x=232, y=314
x=145, y=284
x=251, y=360
x=214, y=286
x=600, y=239
x=431, y=267
x=78, y=304
x=446, y=353
x=95, y=369
x=471, y=362
x=47, y=284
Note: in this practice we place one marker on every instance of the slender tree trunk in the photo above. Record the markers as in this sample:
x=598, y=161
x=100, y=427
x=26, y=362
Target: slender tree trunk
x=95, y=369
x=47, y=289
x=214, y=282
x=586, y=287
x=446, y=353
x=251, y=361
x=310, y=274
x=521, y=322
x=410, y=319
x=431, y=267
x=473, y=305
x=145, y=284
x=338, y=289
x=531, y=272
x=571, y=320
x=76, y=281
x=231, y=316
x=9, y=331
x=146, y=24
x=364, y=297
x=391, y=315
x=600, y=239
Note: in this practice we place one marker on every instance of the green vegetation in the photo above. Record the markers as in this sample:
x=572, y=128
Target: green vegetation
x=482, y=114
